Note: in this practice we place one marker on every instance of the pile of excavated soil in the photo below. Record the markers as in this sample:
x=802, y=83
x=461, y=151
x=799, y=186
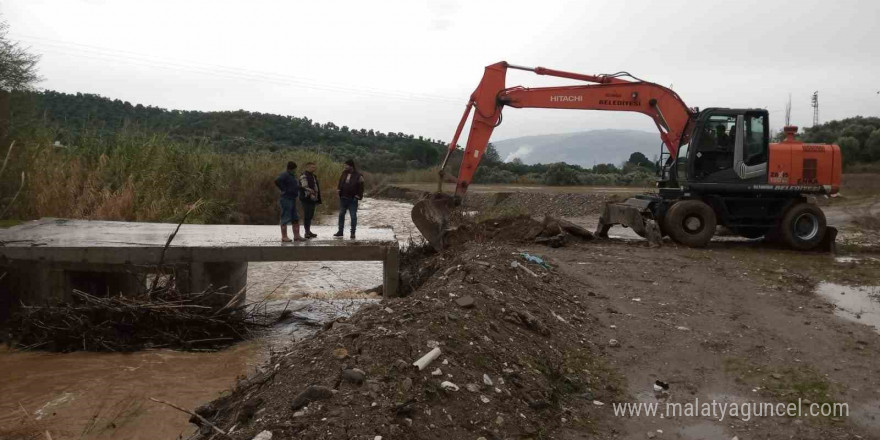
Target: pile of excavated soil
x=518, y=229
x=514, y=362
x=398, y=193
x=537, y=203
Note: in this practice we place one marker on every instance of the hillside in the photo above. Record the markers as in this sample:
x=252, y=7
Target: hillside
x=584, y=148
x=74, y=117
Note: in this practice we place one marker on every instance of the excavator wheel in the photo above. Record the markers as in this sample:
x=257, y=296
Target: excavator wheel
x=803, y=227
x=691, y=223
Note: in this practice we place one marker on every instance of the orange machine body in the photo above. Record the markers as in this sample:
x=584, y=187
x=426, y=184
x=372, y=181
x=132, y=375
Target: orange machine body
x=798, y=164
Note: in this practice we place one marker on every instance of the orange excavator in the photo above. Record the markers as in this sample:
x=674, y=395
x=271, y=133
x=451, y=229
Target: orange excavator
x=718, y=167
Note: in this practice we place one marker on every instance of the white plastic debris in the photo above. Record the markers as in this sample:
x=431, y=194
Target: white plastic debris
x=427, y=359
x=449, y=386
x=265, y=435
x=436, y=372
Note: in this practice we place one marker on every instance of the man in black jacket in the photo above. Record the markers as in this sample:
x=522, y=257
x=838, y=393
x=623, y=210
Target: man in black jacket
x=289, y=187
x=310, y=196
x=351, y=190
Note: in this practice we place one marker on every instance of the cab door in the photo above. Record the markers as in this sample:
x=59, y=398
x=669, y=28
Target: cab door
x=751, y=154
x=730, y=147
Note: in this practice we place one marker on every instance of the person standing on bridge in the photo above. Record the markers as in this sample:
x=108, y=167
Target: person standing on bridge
x=310, y=196
x=351, y=190
x=289, y=187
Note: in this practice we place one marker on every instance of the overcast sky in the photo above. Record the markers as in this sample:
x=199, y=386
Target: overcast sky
x=410, y=65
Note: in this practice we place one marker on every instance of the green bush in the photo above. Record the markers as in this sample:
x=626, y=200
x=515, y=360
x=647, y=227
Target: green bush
x=560, y=174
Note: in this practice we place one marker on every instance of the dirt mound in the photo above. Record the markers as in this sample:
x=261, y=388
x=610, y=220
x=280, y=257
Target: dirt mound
x=514, y=362
x=537, y=203
x=541, y=203
x=398, y=193
x=518, y=229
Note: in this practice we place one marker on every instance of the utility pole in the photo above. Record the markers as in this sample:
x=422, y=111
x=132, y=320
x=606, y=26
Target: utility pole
x=788, y=111
x=815, y=105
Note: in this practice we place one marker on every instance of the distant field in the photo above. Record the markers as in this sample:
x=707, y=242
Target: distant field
x=625, y=190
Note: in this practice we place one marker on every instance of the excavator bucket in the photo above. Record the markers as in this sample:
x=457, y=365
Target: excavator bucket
x=431, y=217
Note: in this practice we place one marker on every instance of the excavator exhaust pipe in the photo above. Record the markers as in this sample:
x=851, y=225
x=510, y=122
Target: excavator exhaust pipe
x=431, y=217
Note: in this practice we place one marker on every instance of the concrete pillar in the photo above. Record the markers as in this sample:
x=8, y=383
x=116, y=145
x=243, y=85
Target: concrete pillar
x=391, y=271
x=225, y=279
x=36, y=283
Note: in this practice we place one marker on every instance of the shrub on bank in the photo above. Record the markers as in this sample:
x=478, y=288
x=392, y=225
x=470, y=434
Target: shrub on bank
x=138, y=176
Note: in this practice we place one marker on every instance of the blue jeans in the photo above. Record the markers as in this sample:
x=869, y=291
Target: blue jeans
x=350, y=205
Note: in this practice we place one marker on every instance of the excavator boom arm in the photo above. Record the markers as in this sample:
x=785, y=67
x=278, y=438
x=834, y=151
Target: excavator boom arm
x=609, y=92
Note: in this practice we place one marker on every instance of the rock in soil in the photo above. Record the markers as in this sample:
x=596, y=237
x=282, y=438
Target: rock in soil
x=354, y=375
x=311, y=394
x=465, y=302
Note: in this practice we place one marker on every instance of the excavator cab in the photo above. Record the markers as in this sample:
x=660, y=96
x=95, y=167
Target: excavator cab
x=726, y=147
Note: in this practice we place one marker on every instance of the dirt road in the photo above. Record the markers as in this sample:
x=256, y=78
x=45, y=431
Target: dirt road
x=736, y=322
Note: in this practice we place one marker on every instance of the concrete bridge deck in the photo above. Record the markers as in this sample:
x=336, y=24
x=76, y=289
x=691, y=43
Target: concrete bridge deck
x=51, y=252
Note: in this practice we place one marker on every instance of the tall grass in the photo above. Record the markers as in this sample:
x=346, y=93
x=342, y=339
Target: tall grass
x=138, y=176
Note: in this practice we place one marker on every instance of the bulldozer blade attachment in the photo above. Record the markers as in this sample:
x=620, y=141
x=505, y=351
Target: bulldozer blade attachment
x=633, y=213
x=431, y=217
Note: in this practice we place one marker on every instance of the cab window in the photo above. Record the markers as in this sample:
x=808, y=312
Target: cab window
x=719, y=133
x=681, y=162
x=755, y=140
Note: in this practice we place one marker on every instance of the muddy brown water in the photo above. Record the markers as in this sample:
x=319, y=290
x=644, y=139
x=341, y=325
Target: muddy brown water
x=106, y=395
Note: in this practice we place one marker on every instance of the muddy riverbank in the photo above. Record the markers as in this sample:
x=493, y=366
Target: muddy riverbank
x=106, y=395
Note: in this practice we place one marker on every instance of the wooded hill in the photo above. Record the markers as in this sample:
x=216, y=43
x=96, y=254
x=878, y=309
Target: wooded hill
x=73, y=116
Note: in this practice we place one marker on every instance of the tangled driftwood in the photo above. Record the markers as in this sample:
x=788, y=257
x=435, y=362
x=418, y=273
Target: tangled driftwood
x=164, y=319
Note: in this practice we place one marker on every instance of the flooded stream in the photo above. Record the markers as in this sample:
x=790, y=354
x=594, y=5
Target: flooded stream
x=106, y=395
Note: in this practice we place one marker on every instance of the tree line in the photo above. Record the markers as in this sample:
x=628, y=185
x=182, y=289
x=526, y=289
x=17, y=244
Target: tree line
x=75, y=116
x=858, y=138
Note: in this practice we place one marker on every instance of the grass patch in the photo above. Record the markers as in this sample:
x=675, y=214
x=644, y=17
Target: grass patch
x=8, y=223
x=786, y=383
